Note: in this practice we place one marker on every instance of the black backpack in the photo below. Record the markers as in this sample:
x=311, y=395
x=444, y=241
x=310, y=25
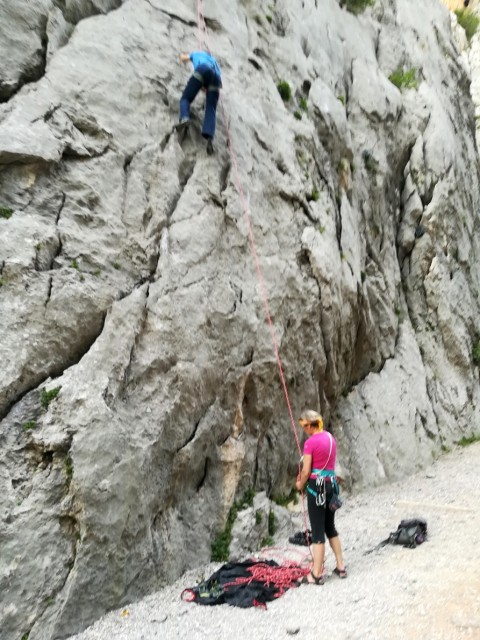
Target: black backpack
x=409, y=533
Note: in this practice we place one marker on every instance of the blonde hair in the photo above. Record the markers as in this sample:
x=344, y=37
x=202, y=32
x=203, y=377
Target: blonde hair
x=312, y=416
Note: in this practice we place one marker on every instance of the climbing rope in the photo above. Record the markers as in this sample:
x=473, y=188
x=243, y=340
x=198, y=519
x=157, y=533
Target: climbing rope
x=281, y=555
x=202, y=24
x=281, y=578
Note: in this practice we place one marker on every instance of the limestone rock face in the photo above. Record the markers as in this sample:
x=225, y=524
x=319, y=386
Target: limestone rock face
x=140, y=393
x=31, y=32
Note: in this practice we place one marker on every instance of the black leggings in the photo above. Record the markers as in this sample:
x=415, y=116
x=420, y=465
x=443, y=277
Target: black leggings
x=322, y=520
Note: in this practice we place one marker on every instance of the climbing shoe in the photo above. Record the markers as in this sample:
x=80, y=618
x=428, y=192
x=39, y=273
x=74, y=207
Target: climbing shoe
x=301, y=538
x=210, y=147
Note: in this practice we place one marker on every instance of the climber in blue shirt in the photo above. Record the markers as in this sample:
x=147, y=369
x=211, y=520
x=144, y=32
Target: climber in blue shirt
x=207, y=76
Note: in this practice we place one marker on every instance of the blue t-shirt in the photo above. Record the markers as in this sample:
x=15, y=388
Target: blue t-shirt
x=201, y=57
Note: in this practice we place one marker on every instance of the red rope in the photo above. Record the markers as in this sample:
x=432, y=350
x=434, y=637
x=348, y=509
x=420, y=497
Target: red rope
x=201, y=20
x=252, y=241
x=281, y=578
x=199, y=9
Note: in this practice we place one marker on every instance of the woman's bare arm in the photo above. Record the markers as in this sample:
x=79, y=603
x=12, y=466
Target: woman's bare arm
x=306, y=471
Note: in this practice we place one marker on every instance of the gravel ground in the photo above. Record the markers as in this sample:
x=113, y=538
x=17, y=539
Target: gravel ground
x=431, y=592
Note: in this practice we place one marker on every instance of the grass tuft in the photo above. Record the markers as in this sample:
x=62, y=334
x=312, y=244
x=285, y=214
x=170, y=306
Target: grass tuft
x=272, y=524
x=69, y=467
x=6, y=212
x=404, y=79
x=284, y=90
x=284, y=499
x=47, y=396
x=356, y=6
x=466, y=440
x=220, y=547
x=468, y=21
x=476, y=353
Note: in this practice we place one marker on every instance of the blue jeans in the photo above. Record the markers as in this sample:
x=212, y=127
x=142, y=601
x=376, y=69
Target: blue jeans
x=206, y=77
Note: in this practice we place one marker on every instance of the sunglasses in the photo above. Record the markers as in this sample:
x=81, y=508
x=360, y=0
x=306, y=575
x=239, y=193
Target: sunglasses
x=307, y=423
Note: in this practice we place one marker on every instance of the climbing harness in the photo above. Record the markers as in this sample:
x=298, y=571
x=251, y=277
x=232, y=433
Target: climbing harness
x=320, y=476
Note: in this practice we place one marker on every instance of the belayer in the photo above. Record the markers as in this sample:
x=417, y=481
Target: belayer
x=318, y=476
x=207, y=76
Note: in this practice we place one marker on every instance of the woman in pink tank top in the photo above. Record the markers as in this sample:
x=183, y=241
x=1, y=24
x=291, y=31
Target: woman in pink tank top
x=318, y=476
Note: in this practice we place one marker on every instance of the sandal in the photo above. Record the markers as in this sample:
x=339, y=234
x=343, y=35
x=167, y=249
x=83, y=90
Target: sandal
x=317, y=581
x=341, y=573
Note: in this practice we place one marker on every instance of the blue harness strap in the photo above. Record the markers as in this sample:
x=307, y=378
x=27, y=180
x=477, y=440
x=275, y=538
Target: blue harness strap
x=320, y=475
x=325, y=473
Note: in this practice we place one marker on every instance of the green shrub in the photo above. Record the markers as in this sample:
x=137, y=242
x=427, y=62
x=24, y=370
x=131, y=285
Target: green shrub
x=272, y=523
x=47, y=396
x=315, y=195
x=284, y=90
x=267, y=542
x=258, y=517
x=356, y=6
x=469, y=21
x=74, y=265
x=369, y=161
x=69, y=467
x=303, y=104
x=466, y=440
x=284, y=499
x=476, y=353
x=341, y=99
x=297, y=115
x=247, y=500
x=220, y=547
x=6, y=212
x=404, y=79
x=31, y=424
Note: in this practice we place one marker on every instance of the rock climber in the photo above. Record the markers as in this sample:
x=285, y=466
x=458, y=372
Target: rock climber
x=207, y=76
x=318, y=475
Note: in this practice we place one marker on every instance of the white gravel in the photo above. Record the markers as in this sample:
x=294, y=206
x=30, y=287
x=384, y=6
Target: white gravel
x=429, y=593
